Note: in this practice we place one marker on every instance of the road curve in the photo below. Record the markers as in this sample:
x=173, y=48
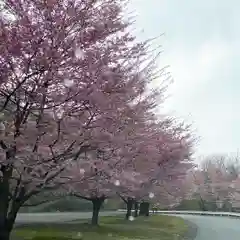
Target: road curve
x=212, y=227
x=209, y=227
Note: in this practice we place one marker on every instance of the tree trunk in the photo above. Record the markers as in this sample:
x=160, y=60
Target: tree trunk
x=141, y=212
x=136, y=207
x=202, y=205
x=5, y=228
x=4, y=207
x=129, y=208
x=144, y=209
x=147, y=209
x=4, y=234
x=97, y=203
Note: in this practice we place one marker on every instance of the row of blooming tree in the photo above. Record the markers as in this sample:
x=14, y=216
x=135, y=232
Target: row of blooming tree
x=215, y=182
x=77, y=113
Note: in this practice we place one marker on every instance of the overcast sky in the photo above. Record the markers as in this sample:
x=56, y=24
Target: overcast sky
x=202, y=45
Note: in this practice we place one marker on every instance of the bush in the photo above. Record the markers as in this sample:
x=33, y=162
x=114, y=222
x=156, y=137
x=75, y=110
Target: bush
x=189, y=205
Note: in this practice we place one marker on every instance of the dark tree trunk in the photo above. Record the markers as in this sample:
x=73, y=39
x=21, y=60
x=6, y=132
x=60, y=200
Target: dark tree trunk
x=6, y=222
x=144, y=209
x=4, y=234
x=9, y=207
x=202, y=205
x=147, y=209
x=6, y=226
x=7, y=217
x=97, y=203
x=129, y=207
x=136, y=207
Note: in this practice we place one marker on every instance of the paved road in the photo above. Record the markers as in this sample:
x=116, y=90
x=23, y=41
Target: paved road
x=209, y=228
x=219, y=228
x=57, y=217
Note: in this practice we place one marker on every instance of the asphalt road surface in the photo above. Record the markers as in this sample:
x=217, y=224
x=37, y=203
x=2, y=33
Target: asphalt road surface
x=209, y=227
x=219, y=228
x=57, y=217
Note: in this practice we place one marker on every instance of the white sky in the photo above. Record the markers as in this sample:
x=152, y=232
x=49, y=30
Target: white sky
x=201, y=45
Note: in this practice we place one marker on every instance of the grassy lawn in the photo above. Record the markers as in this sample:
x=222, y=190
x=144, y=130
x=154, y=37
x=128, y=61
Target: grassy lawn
x=111, y=228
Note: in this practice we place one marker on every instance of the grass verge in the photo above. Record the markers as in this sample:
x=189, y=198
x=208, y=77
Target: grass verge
x=111, y=228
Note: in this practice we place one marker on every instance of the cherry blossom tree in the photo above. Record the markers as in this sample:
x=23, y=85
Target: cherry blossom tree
x=213, y=182
x=68, y=74
x=92, y=180
x=108, y=168
x=131, y=167
x=75, y=103
x=164, y=162
x=127, y=165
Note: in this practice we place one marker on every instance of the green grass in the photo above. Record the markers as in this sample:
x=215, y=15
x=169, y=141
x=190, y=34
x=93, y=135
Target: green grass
x=111, y=228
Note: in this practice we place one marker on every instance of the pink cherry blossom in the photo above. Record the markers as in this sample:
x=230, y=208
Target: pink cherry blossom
x=75, y=96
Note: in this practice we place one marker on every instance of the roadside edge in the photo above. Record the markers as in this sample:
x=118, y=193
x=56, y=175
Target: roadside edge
x=191, y=233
